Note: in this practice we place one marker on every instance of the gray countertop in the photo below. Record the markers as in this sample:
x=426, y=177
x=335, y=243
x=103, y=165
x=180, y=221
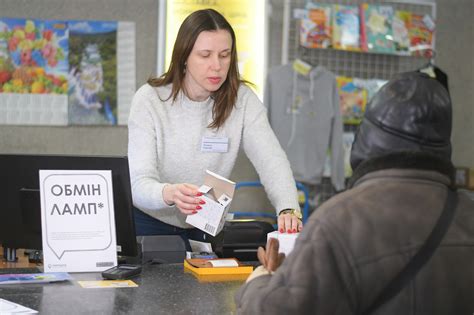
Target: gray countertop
x=162, y=289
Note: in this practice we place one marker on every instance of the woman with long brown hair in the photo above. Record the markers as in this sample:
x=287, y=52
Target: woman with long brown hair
x=197, y=116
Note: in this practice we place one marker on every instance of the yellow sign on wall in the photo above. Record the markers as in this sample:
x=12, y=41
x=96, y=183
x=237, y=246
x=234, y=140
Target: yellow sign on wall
x=247, y=18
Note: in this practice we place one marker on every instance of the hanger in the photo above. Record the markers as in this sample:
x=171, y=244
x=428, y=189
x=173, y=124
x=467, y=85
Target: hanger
x=304, y=52
x=430, y=67
x=429, y=70
x=434, y=71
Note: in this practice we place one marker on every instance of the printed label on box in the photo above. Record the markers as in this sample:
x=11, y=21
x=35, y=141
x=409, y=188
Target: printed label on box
x=208, y=218
x=218, y=192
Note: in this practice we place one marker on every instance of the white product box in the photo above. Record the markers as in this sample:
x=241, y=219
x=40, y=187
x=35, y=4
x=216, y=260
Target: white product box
x=217, y=193
x=286, y=240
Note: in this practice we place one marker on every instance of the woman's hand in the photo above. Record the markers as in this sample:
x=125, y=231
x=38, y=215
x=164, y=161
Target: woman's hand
x=289, y=223
x=184, y=196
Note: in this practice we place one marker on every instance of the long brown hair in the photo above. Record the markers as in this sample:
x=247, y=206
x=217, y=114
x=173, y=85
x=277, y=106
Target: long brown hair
x=226, y=96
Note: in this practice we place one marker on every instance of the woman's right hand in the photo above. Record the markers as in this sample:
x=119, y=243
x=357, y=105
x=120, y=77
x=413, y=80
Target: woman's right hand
x=185, y=197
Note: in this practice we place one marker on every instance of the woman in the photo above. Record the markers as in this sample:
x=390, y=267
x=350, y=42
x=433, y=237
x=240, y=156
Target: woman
x=176, y=120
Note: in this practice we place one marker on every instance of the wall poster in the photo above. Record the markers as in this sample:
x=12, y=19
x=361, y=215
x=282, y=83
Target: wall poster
x=66, y=72
x=33, y=71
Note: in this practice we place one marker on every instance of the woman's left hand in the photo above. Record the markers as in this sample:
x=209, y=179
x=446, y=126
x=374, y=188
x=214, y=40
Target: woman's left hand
x=289, y=223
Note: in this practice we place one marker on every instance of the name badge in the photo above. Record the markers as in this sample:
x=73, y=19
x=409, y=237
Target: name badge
x=215, y=144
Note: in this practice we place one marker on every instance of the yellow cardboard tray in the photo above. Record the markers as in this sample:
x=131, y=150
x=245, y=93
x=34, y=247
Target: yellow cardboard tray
x=218, y=278
x=240, y=270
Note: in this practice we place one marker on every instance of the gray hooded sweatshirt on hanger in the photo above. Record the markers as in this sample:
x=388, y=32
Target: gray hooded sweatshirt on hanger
x=305, y=116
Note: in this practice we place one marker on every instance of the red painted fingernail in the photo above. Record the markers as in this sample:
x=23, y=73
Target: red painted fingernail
x=281, y=231
x=198, y=207
x=202, y=202
x=194, y=212
x=289, y=231
x=294, y=230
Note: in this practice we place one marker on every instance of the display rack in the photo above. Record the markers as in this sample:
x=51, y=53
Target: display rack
x=364, y=65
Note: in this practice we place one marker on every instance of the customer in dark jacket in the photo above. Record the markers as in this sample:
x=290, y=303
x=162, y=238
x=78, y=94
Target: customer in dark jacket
x=359, y=240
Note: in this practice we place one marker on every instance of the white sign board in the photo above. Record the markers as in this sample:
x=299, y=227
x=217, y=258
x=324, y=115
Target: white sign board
x=77, y=219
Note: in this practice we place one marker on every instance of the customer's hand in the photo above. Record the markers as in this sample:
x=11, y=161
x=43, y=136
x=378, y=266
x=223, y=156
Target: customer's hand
x=185, y=196
x=270, y=258
x=289, y=223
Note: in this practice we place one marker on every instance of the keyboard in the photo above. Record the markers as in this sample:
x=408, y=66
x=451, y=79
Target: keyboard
x=4, y=271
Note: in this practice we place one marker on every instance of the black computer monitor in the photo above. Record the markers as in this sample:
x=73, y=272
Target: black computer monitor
x=20, y=210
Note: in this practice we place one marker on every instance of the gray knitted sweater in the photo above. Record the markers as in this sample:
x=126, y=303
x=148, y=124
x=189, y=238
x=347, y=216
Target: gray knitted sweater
x=164, y=146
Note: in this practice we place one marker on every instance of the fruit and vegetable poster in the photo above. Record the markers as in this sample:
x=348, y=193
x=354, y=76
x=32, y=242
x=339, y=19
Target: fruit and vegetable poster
x=65, y=72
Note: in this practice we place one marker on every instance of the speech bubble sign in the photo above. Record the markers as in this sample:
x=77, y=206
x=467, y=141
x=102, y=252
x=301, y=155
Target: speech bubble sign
x=77, y=212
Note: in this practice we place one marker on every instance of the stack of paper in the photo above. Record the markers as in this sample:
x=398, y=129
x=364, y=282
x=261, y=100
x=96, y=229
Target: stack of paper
x=222, y=270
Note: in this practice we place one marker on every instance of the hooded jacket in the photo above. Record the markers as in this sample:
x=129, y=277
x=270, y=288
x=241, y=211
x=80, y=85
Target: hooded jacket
x=357, y=241
x=355, y=244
